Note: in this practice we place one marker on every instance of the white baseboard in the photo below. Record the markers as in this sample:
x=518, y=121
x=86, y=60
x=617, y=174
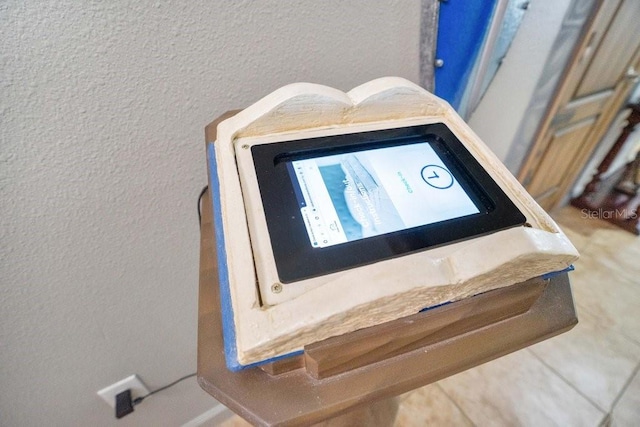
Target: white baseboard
x=212, y=417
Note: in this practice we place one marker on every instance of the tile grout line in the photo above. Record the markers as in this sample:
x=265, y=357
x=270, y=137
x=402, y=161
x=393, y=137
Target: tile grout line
x=605, y=421
x=622, y=333
x=556, y=373
x=625, y=387
x=630, y=338
x=464, y=414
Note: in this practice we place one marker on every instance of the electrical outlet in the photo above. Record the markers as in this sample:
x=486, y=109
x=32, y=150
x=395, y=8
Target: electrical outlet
x=133, y=382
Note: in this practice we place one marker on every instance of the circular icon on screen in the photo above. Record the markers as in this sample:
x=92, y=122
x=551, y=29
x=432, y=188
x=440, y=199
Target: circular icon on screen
x=437, y=177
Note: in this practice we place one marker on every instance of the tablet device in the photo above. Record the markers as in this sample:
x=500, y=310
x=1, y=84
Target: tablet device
x=337, y=202
x=339, y=211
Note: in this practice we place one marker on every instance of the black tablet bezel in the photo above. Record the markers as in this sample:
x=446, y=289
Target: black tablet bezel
x=296, y=259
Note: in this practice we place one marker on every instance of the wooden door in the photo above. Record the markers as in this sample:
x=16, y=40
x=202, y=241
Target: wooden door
x=595, y=85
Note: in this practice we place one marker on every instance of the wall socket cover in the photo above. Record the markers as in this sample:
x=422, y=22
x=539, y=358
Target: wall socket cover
x=133, y=382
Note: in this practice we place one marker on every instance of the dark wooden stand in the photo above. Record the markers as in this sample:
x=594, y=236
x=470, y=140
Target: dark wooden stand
x=352, y=379
x=606, y=198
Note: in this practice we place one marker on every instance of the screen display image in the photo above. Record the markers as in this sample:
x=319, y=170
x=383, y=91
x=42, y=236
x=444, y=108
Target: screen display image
x=355, y=195
x=343, y=201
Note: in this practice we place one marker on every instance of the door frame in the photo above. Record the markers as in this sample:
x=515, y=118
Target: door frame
x=563, y=92
x=540, y=139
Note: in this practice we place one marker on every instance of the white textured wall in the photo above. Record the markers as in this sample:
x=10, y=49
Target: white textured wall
x=102, y=110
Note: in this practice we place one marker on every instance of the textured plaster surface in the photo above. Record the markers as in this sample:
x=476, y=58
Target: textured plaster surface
x=102, y=111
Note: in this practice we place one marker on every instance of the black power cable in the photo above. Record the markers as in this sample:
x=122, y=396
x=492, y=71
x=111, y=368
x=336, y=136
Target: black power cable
x=202, y=193
x=137, y=400
x=124, y=405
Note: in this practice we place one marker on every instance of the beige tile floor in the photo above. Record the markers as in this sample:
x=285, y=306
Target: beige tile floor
x=589, y=376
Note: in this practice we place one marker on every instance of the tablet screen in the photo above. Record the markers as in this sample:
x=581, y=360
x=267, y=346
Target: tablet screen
x=342, y=201
x=366, y=193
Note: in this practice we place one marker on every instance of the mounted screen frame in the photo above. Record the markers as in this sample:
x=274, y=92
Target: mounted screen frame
x=271, y=199
x=264, y=318
x=296, y=259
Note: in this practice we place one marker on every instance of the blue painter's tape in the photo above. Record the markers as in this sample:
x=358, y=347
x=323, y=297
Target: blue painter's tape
x=273, y=359
x=544, y=277
x=435, y=306
x=462, y=27
x=226, y=308
x=555, y=273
